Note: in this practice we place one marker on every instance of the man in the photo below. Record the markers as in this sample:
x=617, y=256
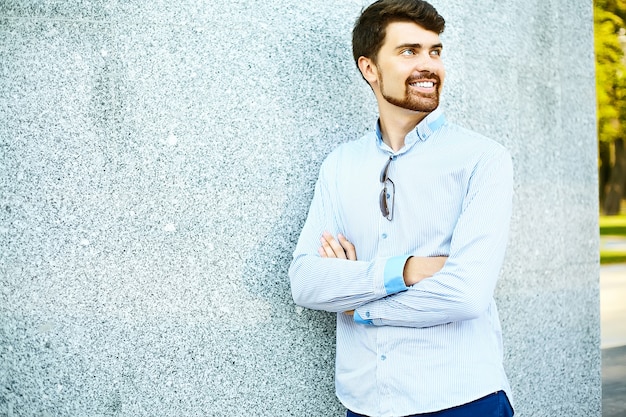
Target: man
x=414, y=335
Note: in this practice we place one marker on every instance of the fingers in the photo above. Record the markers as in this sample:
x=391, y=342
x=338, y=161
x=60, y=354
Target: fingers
x=348, y=247
x=339, y=248
x=331, y=247
x=325, y=250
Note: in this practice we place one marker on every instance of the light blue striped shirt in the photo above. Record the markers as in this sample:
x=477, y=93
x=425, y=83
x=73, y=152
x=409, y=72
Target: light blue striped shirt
x=438, y=343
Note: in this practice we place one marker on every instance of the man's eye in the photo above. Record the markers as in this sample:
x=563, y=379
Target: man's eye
x=407, y=52
x=435, y=52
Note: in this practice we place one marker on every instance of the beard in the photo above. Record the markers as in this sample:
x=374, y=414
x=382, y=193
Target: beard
x=413, y=100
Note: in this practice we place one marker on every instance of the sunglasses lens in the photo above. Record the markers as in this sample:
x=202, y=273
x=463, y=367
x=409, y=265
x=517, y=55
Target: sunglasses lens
x=383, y=202
x=387, y=193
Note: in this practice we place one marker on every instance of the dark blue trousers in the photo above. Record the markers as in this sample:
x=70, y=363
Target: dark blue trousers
x=493, y=405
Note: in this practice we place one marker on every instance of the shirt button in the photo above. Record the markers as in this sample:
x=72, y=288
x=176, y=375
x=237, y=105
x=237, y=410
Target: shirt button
x=367, y=314
x=384, y=236
x=383, y=357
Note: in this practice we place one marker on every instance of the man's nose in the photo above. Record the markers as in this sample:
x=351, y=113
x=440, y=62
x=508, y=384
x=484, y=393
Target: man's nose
x=425, y=62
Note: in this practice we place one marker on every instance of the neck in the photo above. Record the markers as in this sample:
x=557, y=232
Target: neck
x=395, y=125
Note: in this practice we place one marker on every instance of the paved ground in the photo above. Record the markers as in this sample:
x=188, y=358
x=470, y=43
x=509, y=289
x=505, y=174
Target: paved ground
x=613, y=305
x=613, y=243
x=614, y=382
x=613, y=317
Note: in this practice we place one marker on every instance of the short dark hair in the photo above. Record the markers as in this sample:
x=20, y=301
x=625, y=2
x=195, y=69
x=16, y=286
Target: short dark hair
x=369, y=30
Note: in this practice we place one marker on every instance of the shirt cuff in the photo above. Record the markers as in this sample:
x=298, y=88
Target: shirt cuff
x=360, y=320
x=394, y=274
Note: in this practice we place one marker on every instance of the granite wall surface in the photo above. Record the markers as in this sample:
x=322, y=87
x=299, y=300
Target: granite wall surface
x=157, y=160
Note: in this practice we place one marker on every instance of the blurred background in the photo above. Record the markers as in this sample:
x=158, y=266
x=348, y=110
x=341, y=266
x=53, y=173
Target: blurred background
x=610, y=44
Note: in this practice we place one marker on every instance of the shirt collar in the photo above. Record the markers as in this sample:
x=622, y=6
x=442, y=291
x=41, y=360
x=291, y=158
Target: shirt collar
x=424, y=129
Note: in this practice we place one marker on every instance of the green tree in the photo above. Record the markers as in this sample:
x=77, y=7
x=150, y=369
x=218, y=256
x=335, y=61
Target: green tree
x=609, y=43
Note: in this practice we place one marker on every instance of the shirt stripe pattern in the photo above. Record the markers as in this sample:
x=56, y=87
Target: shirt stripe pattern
x=438, y=343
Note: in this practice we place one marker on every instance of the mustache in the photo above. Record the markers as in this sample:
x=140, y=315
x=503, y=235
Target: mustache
x=424, y=75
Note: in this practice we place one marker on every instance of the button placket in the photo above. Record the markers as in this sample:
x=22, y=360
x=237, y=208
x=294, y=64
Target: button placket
x=384, y=370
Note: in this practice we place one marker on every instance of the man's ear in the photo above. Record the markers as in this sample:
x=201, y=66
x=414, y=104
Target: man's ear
x=368, y=69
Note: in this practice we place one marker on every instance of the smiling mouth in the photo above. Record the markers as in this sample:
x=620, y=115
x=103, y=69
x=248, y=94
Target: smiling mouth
x=425, y=80
x=423, y=84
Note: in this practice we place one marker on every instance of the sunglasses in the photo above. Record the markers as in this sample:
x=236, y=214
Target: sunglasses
x=388, y=192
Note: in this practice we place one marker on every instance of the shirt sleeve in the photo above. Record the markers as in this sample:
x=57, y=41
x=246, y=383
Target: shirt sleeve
x=330, y=284
x=464, y=288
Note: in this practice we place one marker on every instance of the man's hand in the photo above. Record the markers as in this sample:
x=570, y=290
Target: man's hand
x=418, y=268
x=340, y=248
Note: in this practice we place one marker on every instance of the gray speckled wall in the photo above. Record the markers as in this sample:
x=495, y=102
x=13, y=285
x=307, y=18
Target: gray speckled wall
x=157, y=160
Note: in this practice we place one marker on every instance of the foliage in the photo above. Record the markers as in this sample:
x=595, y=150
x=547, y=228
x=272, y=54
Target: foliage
x=612, y=257
x=609, y=44
x=613, y=227
x=616, y=7
x=610, y=72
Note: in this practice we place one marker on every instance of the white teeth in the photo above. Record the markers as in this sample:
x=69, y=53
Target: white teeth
x=425, y=84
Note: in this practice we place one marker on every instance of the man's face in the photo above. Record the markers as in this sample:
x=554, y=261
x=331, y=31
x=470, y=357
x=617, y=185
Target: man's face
x=409, y=66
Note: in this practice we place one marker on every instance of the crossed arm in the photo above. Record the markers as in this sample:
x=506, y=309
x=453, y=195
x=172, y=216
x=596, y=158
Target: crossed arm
x=415, y=269
x=406, y=290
